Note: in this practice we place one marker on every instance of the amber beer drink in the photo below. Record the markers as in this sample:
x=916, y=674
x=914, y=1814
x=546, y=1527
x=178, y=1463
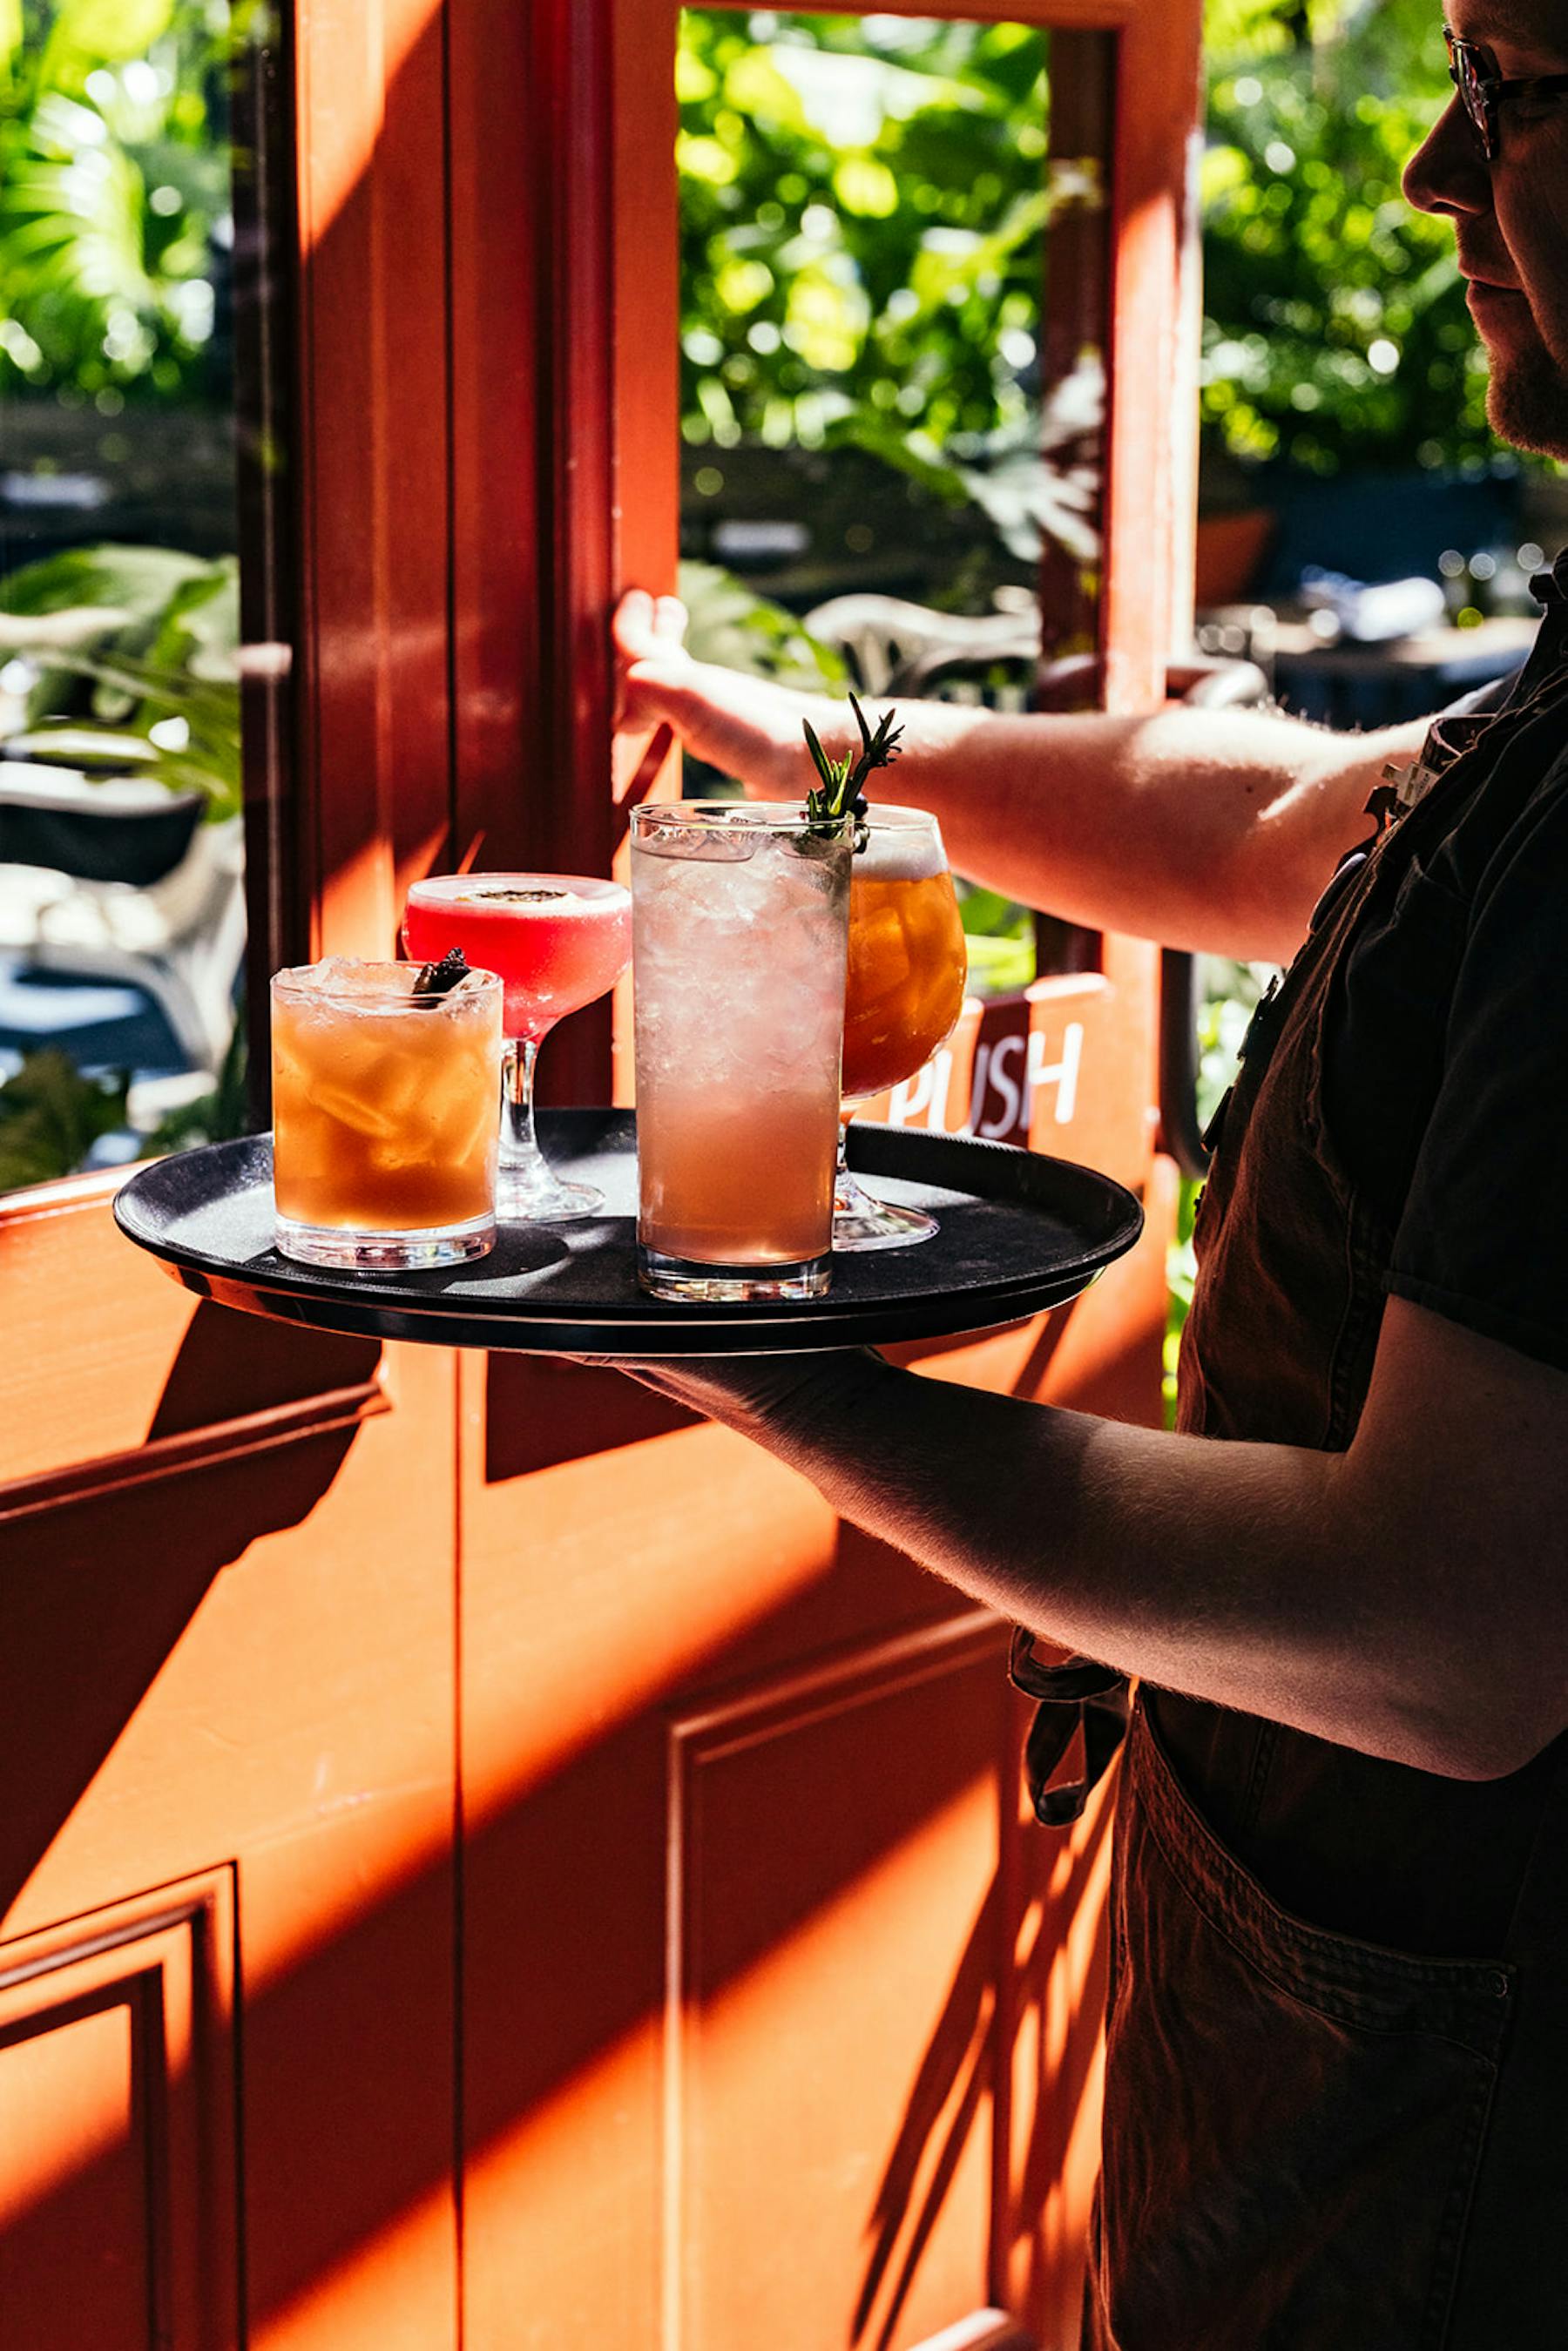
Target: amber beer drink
x=739, y=923
x=907, y=967
x=384, y=1115
x=908, y=961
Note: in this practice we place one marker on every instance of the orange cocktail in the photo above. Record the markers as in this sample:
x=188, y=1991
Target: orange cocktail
x=908, y=958
x=384, y=1115
x=907, y=966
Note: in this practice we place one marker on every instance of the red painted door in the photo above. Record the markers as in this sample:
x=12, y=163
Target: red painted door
x=486, y=1861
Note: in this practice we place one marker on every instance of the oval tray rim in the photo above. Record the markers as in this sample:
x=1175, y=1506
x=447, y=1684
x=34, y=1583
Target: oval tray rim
x=360, y=1306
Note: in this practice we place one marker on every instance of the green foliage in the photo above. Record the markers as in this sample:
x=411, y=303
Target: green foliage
x=730, y=624
x=1001, y=941
x=1230, y=992
x=50, y=1117
x=136, y=651
x=861, y=213
x=113, y=184
x=862, y=209
x=1335, y=330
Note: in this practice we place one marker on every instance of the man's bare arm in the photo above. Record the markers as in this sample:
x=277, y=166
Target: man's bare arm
x=1406, y=1598
x=1213, y=830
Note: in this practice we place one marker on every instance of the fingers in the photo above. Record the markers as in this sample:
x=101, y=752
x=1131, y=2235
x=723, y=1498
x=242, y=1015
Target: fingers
x=670, y=620
x=631, y=625
x=645, y=628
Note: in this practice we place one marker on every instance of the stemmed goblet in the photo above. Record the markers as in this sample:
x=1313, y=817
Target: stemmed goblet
x=558, y=940
x=907, y=966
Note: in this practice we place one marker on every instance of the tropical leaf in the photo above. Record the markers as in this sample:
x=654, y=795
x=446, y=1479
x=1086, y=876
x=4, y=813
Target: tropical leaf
x=198, y=632
x=88, y=33
x=163, y=646
x=50, y=1117
x=733, y=626
x=203, y=754
x=137, y=581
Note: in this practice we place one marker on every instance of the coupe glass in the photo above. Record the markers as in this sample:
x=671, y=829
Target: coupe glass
x=907, y=967
x=558, y=940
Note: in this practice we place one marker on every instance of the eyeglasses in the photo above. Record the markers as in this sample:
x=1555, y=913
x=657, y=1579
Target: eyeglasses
x=1473, y=71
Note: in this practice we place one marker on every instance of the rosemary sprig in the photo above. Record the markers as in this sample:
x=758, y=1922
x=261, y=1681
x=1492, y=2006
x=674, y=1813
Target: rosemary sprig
x=842, y=792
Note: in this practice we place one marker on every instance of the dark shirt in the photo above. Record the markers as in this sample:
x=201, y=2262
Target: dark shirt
x=1446, y=1064
x=1444, y=1077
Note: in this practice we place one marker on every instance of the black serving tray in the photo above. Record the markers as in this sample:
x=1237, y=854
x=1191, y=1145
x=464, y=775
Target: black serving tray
x=1018, y=1232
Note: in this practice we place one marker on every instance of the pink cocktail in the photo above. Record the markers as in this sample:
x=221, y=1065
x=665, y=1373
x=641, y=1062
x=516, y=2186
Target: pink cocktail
x=558, y=941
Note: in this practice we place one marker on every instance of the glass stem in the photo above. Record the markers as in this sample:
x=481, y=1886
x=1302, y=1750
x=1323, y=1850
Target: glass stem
x=848, y=1195
x=520, y=1145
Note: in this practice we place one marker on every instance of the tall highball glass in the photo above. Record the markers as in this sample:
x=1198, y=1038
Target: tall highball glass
x=740, y=918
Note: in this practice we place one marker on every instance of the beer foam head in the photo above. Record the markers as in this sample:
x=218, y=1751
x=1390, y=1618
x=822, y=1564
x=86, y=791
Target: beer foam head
x=901, y=852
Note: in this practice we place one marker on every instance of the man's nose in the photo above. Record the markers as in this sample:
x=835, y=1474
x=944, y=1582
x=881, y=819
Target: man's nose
x=1448, y=173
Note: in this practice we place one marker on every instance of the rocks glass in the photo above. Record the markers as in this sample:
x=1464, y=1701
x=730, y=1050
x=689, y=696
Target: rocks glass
x=384, y=1115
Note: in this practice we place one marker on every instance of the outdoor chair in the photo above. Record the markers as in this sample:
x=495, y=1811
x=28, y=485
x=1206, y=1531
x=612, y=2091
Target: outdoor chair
x=121, y=881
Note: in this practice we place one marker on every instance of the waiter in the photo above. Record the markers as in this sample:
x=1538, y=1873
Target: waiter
x=1337, y=2097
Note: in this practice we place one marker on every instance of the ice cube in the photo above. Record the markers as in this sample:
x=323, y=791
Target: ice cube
x=353, y=1109
x=697, y=845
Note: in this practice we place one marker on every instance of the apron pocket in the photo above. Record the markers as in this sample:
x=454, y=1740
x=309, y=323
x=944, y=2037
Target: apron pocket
x=1293, y=2120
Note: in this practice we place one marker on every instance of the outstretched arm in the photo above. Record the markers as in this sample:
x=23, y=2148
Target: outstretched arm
x=1211, y=829
x=1405, y=1598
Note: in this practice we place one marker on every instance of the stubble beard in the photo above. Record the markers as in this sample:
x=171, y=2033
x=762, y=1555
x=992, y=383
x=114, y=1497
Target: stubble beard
x=1526, y=401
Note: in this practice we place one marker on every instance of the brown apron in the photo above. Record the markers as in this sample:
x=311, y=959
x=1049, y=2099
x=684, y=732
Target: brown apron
x=1325, y=2128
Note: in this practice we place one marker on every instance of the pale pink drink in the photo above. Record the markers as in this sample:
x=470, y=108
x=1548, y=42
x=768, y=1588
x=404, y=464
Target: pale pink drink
x=742, y=918
x=558, y=941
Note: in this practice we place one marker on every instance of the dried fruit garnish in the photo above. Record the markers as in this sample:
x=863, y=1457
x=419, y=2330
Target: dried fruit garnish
x=440, y=978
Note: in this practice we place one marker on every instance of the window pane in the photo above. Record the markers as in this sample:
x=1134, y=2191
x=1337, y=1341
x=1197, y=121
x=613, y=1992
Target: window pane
x=122, y=859
x=893, y=266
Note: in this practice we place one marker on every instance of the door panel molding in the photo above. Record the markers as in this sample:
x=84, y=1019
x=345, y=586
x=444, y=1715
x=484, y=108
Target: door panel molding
x=330, y=1412
x=884, y=2094
x=112, y=1375
x=720, y=1725
x=117, y=2074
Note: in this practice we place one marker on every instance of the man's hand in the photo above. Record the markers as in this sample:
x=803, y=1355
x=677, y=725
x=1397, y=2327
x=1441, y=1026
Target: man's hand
x=649, y=636
x=745, y=726
x=771, y=1398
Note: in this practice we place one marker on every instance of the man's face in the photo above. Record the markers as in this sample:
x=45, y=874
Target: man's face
x=1511, y=217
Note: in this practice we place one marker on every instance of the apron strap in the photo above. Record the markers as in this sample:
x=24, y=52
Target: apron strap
x=1078, y=1696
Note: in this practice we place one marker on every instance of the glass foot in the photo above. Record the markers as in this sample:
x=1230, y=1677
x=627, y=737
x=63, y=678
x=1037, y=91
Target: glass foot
x=863, y=1223
x=528, y=1195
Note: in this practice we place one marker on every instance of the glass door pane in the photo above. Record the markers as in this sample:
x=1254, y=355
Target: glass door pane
x=132, y=250
x=894, y=282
